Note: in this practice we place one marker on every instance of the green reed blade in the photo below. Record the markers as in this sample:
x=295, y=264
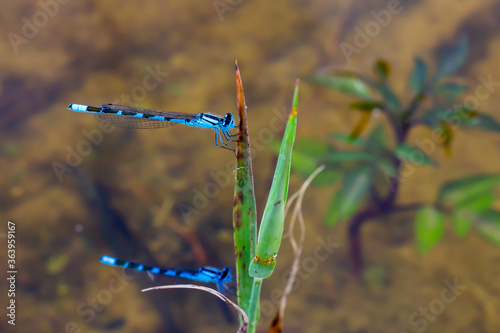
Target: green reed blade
x=244, y=208
x=271, y=229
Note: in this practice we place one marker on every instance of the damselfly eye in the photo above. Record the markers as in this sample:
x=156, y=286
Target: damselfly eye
x=228, y=118
x=225, y=272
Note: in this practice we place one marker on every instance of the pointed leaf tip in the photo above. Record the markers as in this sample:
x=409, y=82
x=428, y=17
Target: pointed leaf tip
x=240, y=96
x=295, y=97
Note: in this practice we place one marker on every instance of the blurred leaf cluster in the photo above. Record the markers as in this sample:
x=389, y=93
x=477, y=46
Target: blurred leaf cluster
x=366, y=168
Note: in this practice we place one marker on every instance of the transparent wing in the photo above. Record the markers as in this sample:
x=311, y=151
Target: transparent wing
x=166, y=114
x=131, y=122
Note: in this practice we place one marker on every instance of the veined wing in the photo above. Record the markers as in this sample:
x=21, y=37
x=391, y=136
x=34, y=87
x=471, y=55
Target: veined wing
x=132, y=122
x=166, y=114
x=137, y=118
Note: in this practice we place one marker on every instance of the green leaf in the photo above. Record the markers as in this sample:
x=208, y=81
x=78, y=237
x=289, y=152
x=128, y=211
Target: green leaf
x=463, y=116
x=273, y=218
x=461, y=222
x=413, y=155
x=386, y=167
x=488, y=224
x=482, y=121
x=456, y=116
x=333, y=214
x=351, y=195
x=432, y=117
x=327, y=178
x=349, y=85
x=306, y=154
x=429, y=228
x=391, y=99
x=310, y=147
x=382, y=69
x=366, y=105
x=346, y=138
x=303, y=164
x=350, y=156
x=459, y=192
x=418, y=76
x=450, y=91
x=452, y=60
x=478, y=203
x=377, y=138
x=376, y=146
x=244, y=207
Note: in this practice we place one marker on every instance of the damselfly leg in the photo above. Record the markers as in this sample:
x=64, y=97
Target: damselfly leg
x=224, y=145
x=227, y=135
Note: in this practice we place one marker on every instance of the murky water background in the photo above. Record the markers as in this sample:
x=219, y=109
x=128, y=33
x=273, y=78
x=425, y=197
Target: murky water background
x=126, y=192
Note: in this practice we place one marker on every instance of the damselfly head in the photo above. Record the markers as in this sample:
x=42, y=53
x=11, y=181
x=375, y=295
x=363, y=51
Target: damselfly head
x=226, y=274
x=228, y=122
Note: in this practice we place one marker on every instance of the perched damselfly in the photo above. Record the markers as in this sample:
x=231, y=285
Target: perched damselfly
x=204, y=274
x=132, y=117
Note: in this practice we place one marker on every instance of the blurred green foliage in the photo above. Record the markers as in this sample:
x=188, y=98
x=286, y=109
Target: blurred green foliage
x=368, y=158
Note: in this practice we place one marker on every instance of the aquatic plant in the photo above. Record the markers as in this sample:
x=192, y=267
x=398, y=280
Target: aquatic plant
x=256, y=257
x=373, y=168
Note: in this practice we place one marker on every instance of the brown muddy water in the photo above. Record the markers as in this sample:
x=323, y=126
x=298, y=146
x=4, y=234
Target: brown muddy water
x=125, y=193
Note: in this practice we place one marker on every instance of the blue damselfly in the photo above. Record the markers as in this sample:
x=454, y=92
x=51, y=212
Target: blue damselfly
x=137, y=118
x=204, y=274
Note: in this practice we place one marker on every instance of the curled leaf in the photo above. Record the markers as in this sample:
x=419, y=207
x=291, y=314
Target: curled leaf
x=360, y=125
x=273, y=218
